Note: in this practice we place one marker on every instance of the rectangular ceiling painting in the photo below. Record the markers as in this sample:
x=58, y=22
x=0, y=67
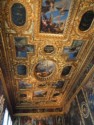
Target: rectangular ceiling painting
x=54, y=14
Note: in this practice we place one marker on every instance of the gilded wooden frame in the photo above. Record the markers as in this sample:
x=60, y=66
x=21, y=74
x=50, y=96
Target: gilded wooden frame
x=29, y=15
x=82, y=11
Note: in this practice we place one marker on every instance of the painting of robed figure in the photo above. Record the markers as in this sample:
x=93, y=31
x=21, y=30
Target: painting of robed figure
x=54, y=14
x=89, y=93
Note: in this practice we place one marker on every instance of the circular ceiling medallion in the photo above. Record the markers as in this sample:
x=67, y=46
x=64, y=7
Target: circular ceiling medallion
x=44, y=69
x=85, y=110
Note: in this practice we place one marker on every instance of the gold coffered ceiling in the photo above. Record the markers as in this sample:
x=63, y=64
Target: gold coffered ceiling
x=46, y=43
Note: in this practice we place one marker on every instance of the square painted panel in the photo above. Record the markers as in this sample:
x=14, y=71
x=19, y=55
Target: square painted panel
x=24, y=85
x=21, y=70
x=74, y=49
x=40, y=93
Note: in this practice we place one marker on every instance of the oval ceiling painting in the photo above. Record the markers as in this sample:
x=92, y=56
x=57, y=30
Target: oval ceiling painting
x=86, y=20
x=44, y=69
x=48, y=49
x=18, y=14
x=66, y=70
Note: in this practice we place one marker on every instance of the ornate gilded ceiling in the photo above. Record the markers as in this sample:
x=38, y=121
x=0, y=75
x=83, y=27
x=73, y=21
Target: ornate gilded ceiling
x=45, y=43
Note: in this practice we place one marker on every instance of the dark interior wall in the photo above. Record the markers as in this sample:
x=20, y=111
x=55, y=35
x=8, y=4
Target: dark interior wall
x=81, y=110
x=88, y=90
x=5, y=112
x=73, y=116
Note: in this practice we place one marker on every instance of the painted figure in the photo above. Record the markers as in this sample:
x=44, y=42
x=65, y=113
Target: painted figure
x=53, y=15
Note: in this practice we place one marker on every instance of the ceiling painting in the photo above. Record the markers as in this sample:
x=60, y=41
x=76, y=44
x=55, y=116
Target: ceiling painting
x=58, y=85
x=22, y=48
x=23, y=85
x=66, y=70
x=21, y=70
x=73, y=51
x=44, y=69
x=18, y=14
x=54, y=18
x=86, y=20
x=54, y=15
x=40, y=93
x=49, y=49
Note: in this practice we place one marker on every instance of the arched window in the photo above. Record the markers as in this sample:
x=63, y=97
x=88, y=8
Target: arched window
x=18, y=14
x=86, y=20
x=5, y=120
x=9, y=121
